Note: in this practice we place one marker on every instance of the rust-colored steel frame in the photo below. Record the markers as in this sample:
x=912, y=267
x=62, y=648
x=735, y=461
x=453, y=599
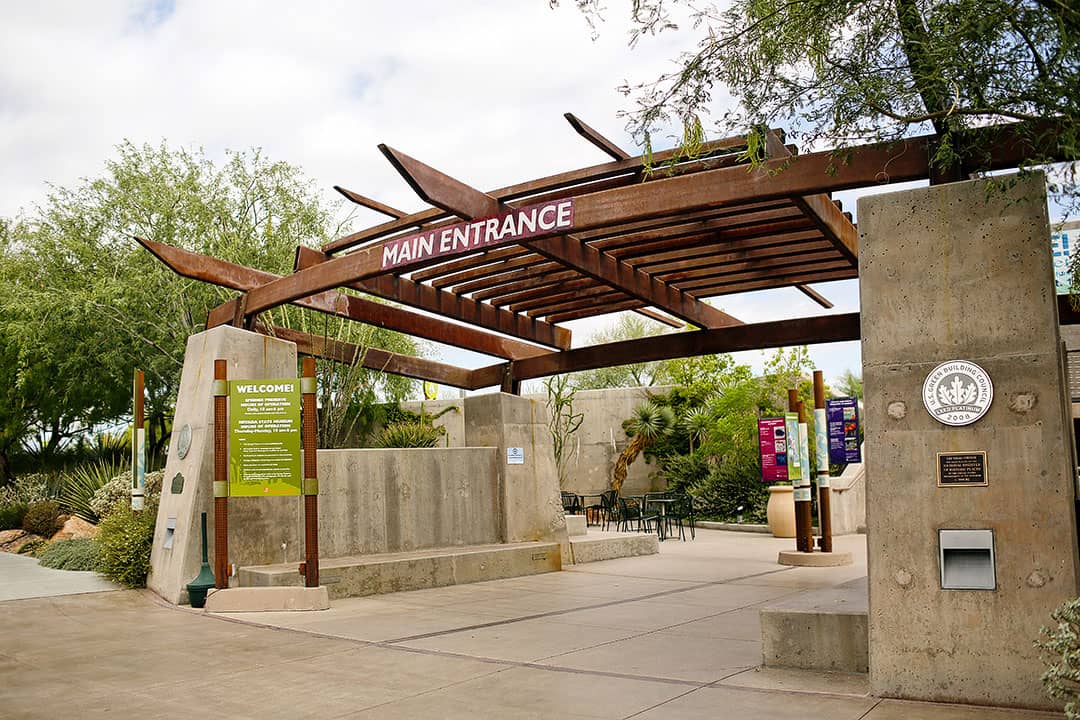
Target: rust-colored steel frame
x=647, y=234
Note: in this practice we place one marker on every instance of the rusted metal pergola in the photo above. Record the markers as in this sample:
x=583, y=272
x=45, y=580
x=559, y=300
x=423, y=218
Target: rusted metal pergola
x=654, y=235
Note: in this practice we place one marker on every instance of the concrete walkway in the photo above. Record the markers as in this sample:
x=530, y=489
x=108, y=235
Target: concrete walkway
x=670, y=636
x=21, y=577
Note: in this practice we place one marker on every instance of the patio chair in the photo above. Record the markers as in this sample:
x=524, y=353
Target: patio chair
x=632, y=512
x=683, y=513
x=571, y=503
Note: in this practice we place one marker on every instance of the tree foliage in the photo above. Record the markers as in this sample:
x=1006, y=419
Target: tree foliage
x=628, y=326
x=82, y=305
x=834, y=73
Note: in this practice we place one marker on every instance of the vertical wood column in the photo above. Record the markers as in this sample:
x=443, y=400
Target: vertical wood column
x=311, y=470
x=221, y=475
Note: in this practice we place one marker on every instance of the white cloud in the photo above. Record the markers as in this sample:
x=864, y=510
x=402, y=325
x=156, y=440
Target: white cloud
x=476, y=89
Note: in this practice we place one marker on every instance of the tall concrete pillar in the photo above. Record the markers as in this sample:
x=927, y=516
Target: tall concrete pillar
x=531, y=508
x=258, y=526
x=954, y=272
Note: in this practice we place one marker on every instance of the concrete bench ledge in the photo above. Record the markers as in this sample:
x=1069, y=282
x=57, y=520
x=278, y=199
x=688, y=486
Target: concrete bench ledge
x=360, y=575
x=600, y=545
x=267, y=599
x=818, y=630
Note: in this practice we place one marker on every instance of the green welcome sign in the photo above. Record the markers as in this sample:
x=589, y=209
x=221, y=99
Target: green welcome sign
x=264, y=437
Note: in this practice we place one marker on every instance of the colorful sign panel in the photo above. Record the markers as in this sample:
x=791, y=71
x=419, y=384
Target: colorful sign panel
x=773, y=445
x=843, y=420
x=508, y=227
x=264, y=438
x=795, y=466
x=1062, y=244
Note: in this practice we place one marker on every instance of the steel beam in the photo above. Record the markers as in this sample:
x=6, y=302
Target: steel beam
x=245, y=279
x=425, y=297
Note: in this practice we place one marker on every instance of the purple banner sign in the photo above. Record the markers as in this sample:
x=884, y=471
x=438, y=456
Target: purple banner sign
x=542, y=219
x=773, y=443
x=843, y=419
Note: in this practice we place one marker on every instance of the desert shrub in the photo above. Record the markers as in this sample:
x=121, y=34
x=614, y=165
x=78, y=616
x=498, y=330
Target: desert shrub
x=31, y=488
x=1060, y=650
x=11, y=515
x=33, y=547
x=42, y=518
x=116, y=494
x=82, y=483
x=729, y=486
x=409, y=435
x=124, y=540
x=76, y=554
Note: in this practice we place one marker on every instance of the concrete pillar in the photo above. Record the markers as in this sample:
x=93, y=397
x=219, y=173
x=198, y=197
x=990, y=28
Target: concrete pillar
x=531, y=508
x=258, y=526
x=956, y=272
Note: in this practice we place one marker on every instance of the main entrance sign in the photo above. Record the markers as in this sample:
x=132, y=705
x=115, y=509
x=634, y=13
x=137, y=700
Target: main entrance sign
x=957, y=392
x=507, y=227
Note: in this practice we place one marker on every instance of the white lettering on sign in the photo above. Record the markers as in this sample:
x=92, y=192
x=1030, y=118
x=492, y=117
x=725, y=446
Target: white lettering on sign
x=511, y=226
x=264, y=388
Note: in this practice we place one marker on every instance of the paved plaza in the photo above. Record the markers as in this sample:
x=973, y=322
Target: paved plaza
x=674, y=635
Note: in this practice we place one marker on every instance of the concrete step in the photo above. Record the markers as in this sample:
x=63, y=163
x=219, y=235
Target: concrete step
x=360, y=575
x=600, y=545
x=818, y=630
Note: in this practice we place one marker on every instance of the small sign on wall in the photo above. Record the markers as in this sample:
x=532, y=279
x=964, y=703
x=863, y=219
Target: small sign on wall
x=962, y=469
x=515, y=456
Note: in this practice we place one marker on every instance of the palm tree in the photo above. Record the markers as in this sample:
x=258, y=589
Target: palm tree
x=649, y=423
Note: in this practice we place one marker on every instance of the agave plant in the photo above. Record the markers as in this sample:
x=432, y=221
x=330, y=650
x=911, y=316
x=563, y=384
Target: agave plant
x=409, y=435
x=80, y=485
x=649, y=423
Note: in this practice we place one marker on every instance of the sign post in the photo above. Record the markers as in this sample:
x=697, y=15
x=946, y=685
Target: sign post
x=138, y=446
x=821, y=452
x=311, y=476
x=221, y=474
x=773, y=448
x=804, y=541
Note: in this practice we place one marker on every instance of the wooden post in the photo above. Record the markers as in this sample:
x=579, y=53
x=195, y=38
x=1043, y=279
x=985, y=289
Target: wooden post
x=221, y=475
x=311, y=470
x=802, y=508
x=821, y=429
x=138, y=446
x=804, y=493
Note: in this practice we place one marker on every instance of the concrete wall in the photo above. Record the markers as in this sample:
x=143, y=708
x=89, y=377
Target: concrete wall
x=379, y=501
x=371, y=501
x=957, y=272
x=529, y=491
x=251, y=356
x=848, y=499
x=595, y=446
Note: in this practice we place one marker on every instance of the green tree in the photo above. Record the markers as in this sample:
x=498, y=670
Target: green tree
x=849, y=385
x=649, y=423
x=82, y=304
x=563, y=422
x=835, y=73
x=628, y=326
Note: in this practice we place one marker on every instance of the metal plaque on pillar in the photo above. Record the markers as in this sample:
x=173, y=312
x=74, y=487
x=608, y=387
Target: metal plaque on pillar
x=957, y=392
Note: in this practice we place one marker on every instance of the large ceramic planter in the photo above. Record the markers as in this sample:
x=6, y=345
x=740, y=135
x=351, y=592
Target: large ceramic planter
x=781, y=511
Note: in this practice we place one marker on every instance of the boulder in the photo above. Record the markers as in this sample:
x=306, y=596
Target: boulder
x=75, y=528
x=13, y=540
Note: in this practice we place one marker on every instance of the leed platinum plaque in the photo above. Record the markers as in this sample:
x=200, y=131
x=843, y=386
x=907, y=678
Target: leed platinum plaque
x=957, y=392
x=961, y=469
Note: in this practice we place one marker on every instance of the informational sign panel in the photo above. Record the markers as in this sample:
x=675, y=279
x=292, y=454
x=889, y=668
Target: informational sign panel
x=843, y=420
x=1062, y=244
x=773, y=445
x=794, y=459
x=515, y=456
x=264, y=437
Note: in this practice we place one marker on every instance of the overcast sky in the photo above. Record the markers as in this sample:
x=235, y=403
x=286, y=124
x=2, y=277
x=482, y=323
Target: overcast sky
x=475, y=89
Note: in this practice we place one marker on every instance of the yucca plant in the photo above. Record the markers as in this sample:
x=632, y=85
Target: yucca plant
x=80, y=485
x=409, y=435
x=697, y=423
x=649, y=423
